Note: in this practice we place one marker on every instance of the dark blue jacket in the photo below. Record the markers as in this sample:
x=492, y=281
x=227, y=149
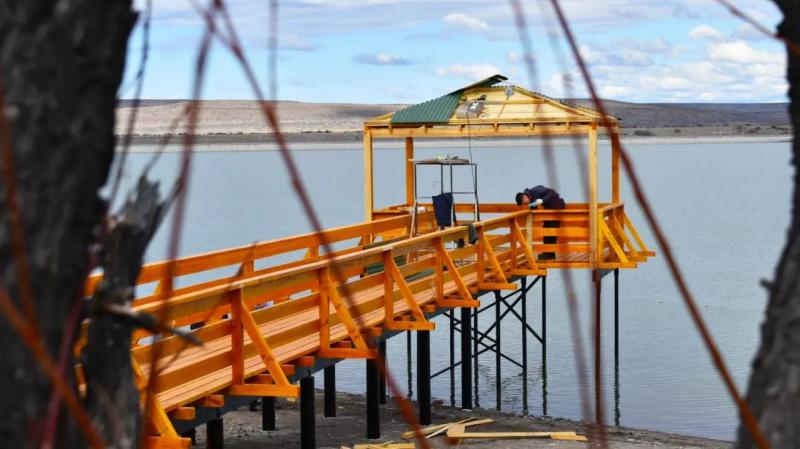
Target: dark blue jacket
x=550, y=198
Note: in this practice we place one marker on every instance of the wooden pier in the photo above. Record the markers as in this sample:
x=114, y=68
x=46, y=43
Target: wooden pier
x=265, y=326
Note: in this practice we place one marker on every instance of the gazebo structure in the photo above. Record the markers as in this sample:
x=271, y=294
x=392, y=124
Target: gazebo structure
x=597, y=235
x=272, y=313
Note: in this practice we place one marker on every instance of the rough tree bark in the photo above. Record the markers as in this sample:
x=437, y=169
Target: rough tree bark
x=774, y=391
x=112, y=397
x=61, y=62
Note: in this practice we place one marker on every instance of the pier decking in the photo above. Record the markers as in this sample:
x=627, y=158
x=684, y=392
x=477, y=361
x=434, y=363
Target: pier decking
x=255, y=336
x=274, y=312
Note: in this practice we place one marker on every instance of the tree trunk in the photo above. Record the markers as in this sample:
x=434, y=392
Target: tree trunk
x=61, y=62
x=111, y=394
x=774, y=391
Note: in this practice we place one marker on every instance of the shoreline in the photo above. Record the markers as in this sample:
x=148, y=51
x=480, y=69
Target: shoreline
x=243, y=428
x=352, y=140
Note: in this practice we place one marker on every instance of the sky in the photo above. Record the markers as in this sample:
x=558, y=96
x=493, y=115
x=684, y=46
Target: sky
x=407, y=51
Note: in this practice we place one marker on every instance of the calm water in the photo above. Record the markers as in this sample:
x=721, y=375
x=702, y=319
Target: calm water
x=724, y=207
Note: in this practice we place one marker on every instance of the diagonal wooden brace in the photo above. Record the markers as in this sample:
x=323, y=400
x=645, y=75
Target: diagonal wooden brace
x=613, y=242
x=499, y=274
x=392, y=273
x=466, y=299
x=642, y=247
x=329, y=294
x=617, y=230
x=158, y=425
x=281, y=385
x=533, y=268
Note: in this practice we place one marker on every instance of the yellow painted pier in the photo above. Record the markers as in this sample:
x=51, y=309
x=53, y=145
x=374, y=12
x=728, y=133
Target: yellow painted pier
x=267, y=329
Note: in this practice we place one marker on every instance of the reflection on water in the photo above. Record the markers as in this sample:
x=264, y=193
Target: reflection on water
x=670, y=385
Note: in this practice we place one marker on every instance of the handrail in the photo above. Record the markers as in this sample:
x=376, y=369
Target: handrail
x=321, y=322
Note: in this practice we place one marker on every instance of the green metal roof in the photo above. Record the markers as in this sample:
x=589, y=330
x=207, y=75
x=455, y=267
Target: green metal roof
x=439, y=110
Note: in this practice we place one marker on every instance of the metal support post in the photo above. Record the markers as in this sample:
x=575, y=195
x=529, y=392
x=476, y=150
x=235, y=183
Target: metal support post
x=497, y=302
x=408, y=366
x=191, y=433
x=616, y=349
x=308, y=435
x=424, y=376
x=477, y=352
x=616, y=315
x=382, y=372
x=330, y=391
x=524, y=345
x=267, y=413
x=214, y=434
x=598, y=366
x=451, y=314
x=373, y=402
x=466, y=358
x=544, y=320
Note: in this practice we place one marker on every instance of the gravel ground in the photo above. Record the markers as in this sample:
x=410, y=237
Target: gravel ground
x=243, y=429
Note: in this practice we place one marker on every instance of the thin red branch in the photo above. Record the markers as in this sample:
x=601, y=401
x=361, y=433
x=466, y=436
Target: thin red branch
x=758, y=26
x=552, y=175
x=744, y=410
x=137, y=98
x=31, y=339
x=17, y=228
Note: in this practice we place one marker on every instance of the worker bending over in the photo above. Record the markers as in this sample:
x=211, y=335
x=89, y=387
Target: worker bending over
x=547, y=198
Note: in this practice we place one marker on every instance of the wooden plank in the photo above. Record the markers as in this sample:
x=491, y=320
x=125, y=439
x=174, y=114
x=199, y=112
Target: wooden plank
x=368, y=182
x=409, y=165
x=593, y=216
x=256, y=390
x=615, y=154
x=458, y=431
x=153, y=442
x=183, y=414
x=212, y=401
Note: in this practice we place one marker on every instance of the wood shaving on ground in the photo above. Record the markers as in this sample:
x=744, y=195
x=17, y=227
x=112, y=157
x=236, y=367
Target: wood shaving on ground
x=438, y=429
x=458, y=432
x=387, y=445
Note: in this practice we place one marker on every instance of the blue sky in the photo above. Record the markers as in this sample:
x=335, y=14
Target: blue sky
x=405, y=51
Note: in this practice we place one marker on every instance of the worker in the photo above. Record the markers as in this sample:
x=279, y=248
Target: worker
x=547, y=198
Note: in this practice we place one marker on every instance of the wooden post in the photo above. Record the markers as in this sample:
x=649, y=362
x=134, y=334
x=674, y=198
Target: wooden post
x=410, y=171
x=615, y=198
x=368, y=184
x=593, y=225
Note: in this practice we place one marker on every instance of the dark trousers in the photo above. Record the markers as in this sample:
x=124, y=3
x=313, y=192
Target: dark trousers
x=550, y=240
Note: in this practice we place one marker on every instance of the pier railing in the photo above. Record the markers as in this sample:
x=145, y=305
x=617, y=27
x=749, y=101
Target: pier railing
x=259, y=323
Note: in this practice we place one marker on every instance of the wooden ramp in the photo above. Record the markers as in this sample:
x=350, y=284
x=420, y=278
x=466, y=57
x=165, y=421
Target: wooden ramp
x=259, y=322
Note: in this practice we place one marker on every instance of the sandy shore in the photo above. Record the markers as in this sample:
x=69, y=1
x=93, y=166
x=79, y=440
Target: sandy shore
x=243, y=429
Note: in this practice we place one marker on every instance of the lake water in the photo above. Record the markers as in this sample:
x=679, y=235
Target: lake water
x=724, y=206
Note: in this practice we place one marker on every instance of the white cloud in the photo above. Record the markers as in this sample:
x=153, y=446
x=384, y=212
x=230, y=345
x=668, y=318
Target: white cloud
x=742, y=53
x=291, y=41
x=466, y=21
x=748, y=32
x=474, y=71
x=590, y=55
x=614, y=92
x=381, y=59
x=513, y=57
x=706, y=32
x=619, y=56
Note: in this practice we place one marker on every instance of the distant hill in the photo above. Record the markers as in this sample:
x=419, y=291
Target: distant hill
x=237, y=117
x=663, y=115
